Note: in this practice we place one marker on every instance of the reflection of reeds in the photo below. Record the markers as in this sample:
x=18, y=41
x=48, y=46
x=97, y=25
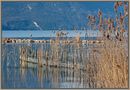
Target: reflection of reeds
x=40, y=76
x=22, y=73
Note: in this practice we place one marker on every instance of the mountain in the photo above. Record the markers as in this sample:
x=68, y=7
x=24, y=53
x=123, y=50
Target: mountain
x=50, y=15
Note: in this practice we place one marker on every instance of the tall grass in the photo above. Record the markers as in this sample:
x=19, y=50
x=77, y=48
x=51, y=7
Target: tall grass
x=110, y=69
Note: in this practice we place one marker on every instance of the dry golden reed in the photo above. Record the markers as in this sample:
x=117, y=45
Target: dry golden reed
x=110, y=69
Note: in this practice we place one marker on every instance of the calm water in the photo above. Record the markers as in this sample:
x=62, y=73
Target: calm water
x=13, y=76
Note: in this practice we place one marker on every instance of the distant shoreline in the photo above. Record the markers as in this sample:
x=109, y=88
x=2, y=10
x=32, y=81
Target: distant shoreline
x=48, y=38
x=52, y=40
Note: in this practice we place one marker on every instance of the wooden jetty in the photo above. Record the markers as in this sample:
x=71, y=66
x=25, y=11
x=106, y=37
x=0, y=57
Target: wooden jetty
x=31, y=62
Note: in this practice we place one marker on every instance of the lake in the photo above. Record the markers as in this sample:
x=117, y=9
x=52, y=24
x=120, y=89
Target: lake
x=15, y=76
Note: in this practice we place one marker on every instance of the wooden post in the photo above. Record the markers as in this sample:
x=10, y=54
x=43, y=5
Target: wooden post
x=47, y=58
x=23, y=57
x=40, y=56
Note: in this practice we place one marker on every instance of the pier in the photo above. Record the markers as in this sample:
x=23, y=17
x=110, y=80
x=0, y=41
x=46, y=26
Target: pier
x=30, y=62
x=63, y=56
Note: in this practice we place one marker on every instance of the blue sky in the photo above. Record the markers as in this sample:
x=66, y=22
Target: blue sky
x=34, y=16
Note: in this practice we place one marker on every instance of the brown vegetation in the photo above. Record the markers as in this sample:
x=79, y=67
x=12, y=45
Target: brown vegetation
x=110, y=69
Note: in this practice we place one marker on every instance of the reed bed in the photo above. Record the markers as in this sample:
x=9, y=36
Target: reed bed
x=104, y=65
x=110, y=69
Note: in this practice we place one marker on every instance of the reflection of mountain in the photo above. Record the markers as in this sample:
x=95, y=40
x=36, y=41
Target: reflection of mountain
x=49, y=15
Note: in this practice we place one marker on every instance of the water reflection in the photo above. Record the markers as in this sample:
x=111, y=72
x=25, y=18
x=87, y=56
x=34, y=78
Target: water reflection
x=45, y=77
x=40, y=77
x=20, y=74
